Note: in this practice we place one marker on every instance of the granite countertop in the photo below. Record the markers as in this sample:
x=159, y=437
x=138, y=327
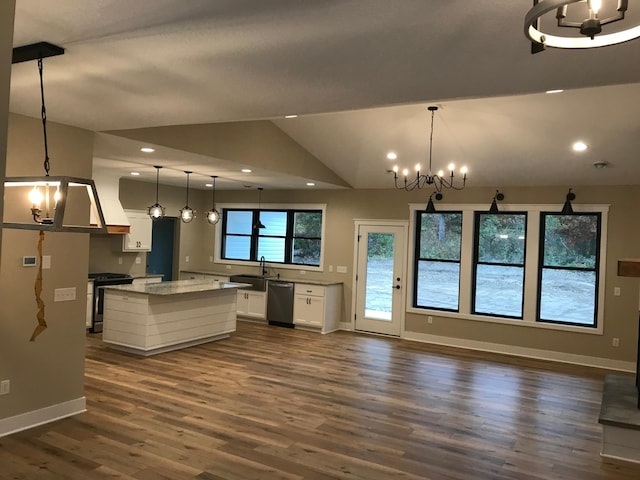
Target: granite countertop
x=176, y=287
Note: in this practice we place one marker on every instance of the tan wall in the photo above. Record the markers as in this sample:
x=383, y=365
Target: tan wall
x=51, y=369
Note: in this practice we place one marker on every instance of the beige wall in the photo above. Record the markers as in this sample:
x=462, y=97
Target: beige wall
x=344, y=206
x=50, y=370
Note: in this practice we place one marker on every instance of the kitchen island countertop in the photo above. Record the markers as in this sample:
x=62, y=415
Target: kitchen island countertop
x=176, y=287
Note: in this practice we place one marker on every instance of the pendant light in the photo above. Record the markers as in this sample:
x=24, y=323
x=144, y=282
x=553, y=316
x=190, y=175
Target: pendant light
x=258, y=223
x=187, y=214
x=213, y=216
x=431, y=208
x=156, y=210
x=47, y=194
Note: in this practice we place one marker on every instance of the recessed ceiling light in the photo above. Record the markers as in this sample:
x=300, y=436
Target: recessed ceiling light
x=147, y=149
x=311, y=184
x=392, y=155
x=246, y=170
x=208, y=184
x=291, y=116
x=135, y=174
x=579, y=147
x=554, y=91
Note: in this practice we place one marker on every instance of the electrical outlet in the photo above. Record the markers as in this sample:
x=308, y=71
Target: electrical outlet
x=119, y=260
x=615, y=342
x=211, y=258
x=5, y=387
x=186, y=258
x=429, y=319
x=228, y=267
x=616, y=291
x=341, y=269
x=330, y=268
x=64, y=294
x=138, y=260
x=303, y=272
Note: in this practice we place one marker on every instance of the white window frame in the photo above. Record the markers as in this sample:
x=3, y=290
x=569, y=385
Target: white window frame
x=271, y=206
x=531, y=264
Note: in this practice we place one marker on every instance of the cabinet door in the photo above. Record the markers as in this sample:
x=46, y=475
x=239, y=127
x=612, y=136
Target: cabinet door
x=89, y=317
x=139, y=237
x=308, y=310
x=242, y=303
x=256, y=304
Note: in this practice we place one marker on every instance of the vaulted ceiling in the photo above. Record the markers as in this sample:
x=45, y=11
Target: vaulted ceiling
x=358, y=73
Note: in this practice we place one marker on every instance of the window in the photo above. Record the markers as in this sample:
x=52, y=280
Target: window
x=569, y=266
x=437, y=263
x=288, y=236
x=499, y=264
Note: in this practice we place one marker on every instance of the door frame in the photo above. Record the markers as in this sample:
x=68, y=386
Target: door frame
x=380, y=223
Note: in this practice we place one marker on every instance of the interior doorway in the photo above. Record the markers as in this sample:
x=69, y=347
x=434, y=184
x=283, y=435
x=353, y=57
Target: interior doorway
x=160, y=258
x=380, y=277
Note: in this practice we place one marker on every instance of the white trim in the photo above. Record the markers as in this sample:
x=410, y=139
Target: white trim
x=525, y=352
x=39, y=417
x=531, y=266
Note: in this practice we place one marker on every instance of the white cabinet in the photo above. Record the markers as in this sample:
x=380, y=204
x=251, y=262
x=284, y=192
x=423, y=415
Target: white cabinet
x=252, y=304
x=139, y=237
x=317, y=307
x=191, y=276
x=89, y=317
x=186, y=275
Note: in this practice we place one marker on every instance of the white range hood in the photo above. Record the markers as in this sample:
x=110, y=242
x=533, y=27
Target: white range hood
x=108, y=187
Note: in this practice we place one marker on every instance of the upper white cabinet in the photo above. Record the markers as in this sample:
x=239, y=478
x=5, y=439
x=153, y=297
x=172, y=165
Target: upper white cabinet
x=139, y=237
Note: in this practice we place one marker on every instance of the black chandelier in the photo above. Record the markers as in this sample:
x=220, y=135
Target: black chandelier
x=437, y=181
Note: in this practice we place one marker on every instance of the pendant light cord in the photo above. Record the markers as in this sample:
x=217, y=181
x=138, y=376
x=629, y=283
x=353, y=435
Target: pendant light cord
x=157, y=182
x=214, y=193
x=44, y=120
x=433, y=112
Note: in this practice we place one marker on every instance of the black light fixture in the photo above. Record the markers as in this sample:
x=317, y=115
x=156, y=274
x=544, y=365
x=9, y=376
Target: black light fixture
x=567, y=209
x=422, y=180
x=258, y=223
x=590, y=27
x=431, y=208
x=213, y=216
x=156, y=210
x=47, y=194
x=187, y=214
x=498, y=197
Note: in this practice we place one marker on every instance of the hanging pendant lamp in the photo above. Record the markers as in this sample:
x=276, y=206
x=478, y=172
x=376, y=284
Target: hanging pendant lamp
x=156, y=210
x=567, y=208
x=47, y=194
x=258, y=223
x=187, y=214
x=498, y=197
x=213, y=216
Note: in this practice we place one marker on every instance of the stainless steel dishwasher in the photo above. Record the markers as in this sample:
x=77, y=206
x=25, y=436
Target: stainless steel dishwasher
x=280, y=303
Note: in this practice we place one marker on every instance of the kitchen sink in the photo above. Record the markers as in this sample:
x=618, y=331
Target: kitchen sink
x=258, y=282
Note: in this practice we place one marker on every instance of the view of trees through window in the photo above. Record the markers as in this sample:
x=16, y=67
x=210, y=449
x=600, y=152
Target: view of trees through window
x=499, y=264
x=438, y=243
x=569, y=265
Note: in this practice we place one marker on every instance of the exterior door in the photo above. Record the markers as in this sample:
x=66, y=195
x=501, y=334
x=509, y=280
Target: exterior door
x=380, y=278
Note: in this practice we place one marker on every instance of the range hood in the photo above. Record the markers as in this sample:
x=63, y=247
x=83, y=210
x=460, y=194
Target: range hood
x=108, y=187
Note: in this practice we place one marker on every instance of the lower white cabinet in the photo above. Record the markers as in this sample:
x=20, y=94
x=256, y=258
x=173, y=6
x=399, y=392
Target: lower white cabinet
x=252, y=304
x=89, y=317
x=317, y=307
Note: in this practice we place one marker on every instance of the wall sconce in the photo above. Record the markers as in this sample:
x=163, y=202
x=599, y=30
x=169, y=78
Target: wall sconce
x=494, y=206
x=431, y=208
x=156, y=210
x=258, y=223
x=213, y=216
x=187, y=214
x=50, y=196
x=567, y=208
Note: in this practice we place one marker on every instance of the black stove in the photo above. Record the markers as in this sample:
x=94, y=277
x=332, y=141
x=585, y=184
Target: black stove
x=103, y=279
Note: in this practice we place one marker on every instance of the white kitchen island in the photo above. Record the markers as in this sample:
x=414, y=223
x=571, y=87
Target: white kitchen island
x=147, y=319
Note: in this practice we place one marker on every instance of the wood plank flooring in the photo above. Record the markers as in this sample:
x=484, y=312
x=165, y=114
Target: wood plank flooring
x=274, y=403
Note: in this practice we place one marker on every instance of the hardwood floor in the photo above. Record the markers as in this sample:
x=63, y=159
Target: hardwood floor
x=274, y=403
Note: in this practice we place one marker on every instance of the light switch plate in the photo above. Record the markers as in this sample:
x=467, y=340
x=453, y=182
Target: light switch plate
x=5, y=387
x=46, y=262
x=341, y=269
x=64, y=294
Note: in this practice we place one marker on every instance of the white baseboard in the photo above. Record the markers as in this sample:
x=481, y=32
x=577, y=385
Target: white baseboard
x=347, y=326
x=550, y=355
x=39, y=417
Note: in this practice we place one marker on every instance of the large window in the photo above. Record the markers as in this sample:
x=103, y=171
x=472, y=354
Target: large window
x=437, y=263
x=499, y=264
x=280, y=236
x=569, y=266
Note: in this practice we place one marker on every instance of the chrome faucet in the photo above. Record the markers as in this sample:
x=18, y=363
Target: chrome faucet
x=263, y=265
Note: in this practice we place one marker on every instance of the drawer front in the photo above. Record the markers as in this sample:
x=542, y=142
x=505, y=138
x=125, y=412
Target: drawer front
x=312, y=290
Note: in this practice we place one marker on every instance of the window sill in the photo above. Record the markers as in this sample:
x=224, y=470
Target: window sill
x=507, y=321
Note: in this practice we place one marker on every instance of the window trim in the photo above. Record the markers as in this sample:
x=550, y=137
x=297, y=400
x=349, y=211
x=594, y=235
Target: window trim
x=217, y=255
x=531, y=263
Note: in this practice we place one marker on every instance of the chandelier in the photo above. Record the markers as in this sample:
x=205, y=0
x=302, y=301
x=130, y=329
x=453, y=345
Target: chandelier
x=437, y=181
x=590, y=27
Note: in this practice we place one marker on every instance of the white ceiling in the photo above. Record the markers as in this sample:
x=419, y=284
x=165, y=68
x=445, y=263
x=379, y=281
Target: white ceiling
x=360, y=74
